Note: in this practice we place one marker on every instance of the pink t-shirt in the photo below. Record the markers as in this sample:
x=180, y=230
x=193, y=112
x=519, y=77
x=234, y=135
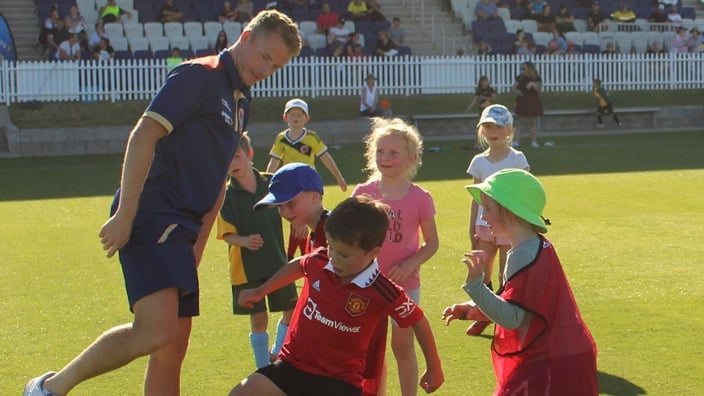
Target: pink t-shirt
x=403, y=237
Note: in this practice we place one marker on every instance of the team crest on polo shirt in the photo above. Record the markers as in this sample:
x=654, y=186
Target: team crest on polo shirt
x=305, y=149
x=356, y=304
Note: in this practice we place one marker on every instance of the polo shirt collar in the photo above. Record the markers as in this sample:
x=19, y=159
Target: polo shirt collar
x=233, y=75
x=365, y=278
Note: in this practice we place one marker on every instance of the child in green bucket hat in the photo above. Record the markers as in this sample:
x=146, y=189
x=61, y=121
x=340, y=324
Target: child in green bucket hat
x=540, y=341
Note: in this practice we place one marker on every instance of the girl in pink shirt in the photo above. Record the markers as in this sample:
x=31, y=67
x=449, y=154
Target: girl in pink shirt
x=393, y=158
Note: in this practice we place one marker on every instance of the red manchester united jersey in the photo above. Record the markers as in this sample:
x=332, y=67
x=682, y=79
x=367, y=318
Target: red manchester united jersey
x=333, y=323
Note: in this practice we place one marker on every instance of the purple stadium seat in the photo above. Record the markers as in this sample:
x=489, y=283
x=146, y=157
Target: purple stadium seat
x=381, y=25
x=161, y=54
x=143, y=54
x=364, y=28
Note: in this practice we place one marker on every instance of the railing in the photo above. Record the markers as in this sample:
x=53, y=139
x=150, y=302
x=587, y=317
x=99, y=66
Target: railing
x=124, y=80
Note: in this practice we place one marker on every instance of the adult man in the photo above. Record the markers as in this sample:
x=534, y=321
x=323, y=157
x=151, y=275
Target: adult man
x=170, y=13
x=172, y=184
x=486, y=9
x=111, y=12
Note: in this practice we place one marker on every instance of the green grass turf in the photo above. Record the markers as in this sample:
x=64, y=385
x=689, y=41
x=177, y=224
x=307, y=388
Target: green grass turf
x=626, y=214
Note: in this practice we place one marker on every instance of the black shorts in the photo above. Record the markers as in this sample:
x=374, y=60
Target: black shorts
x=283, y=299
x=294, y=382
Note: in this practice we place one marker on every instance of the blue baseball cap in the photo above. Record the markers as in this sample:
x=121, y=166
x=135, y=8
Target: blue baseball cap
x=289, y=181
x=496, y=114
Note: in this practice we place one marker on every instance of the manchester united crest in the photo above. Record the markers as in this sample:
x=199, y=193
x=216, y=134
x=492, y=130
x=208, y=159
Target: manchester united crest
x=356, y=304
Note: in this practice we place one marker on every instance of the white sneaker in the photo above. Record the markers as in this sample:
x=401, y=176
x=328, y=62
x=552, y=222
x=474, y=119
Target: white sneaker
x=535, y=144
x=34, y=386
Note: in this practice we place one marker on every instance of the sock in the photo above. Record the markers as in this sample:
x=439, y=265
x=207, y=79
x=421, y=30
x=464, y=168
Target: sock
x=281, y=330
x=260, y=346
x=598, y=118
x=616, y=118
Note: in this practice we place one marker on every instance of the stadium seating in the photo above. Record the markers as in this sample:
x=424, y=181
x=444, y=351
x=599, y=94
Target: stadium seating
x=133, y=29
x=317, y=41
x=212, y=29
x=153, y=29
x=138, y=44
x=114, y=30
x=119, y=43
x=233, y=30
x=199, y=43
x=173, y=29
x=307, y=28
x=193, y=29
x=158, y=43
x=181, y=42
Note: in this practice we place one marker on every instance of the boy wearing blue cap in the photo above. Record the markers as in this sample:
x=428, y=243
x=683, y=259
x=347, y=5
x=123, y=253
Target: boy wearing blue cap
x=540, y=341
x=297, y=191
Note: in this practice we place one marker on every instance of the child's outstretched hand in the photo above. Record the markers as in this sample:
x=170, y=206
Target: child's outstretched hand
x=456, y=311
x=248, y=297
x=476, y=261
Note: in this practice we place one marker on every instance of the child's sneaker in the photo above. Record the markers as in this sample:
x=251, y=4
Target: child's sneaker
x=600, y=125
x=618, y=123
x=535, y=144
x=477, y=327
x=35, y=386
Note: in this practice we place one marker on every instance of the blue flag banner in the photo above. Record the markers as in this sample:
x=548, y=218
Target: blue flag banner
x=7, y=44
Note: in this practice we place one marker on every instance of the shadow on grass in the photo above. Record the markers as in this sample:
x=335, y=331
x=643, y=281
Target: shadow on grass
x=613, y=385
x=95, y=175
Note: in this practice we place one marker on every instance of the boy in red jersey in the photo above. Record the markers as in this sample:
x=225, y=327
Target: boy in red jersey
x=344, y=298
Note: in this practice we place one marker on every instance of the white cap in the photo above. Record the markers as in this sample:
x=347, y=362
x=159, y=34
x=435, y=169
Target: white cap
x=300, y=103
x=496, y=114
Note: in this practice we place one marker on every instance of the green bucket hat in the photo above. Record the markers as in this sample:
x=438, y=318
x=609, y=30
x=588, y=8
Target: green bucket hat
x=516, y=190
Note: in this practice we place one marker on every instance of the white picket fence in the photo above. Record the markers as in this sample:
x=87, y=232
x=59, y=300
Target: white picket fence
x=125, y=80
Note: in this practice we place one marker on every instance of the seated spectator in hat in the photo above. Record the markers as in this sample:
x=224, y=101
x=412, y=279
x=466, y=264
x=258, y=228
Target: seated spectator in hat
x=327, y=19
x=486, y=10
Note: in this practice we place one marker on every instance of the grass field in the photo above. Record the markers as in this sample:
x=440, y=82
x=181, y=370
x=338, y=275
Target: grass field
x=626, y=216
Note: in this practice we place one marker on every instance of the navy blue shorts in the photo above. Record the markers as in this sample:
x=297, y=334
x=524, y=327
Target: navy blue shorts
x=294, y=382
x=161, y=257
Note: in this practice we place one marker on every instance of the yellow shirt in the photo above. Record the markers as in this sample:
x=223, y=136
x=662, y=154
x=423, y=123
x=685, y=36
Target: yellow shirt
x=305, y=149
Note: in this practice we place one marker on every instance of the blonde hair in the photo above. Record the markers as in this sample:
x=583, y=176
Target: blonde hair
x=383, y=127
x=245, y=143
x=273, y=21
x=484, y=143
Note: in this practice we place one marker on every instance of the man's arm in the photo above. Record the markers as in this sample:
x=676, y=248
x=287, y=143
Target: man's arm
x=115, y=233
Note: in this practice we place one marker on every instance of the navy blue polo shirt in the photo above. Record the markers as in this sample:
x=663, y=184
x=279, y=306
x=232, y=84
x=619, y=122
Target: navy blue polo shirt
x=198, y=107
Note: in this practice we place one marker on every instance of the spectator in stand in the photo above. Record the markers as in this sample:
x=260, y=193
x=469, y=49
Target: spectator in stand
x=484, y=48
x=97, y=34
x=486, y=10
x=356, y=39
x=221, y=42
x=227, y=14
x=610, y=49
x=526, y=47
x=572, y=48
x=327, y=19
x=537, y=6
x=545, y=20
x=369, y=100
x=658, y=16
x=357, y=10
x=655, y=48
x=60, y=33
x=668, y=3
x=396, y=32
x=595, y=18
x=520, y=35
x=623, y=14
x=69, y=49
x=384, y=45
x=558, y=44
x=374, y=11
x=245, y=11
x=357, y=52
x=46, y=36
x=174, y=59
x=564, y=21
x=338, y=36
x=695, y=42
x=673, y=16
x=679, y=42
x=75, y=23
x=111, y=12
x=170, y=12
x=103, y=51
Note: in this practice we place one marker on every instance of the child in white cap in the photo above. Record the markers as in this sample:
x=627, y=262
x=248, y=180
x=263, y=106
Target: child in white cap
x=495, y=136
x=540, y=341
x=299, y=144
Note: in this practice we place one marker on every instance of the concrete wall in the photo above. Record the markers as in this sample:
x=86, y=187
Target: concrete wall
x=15, y=142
